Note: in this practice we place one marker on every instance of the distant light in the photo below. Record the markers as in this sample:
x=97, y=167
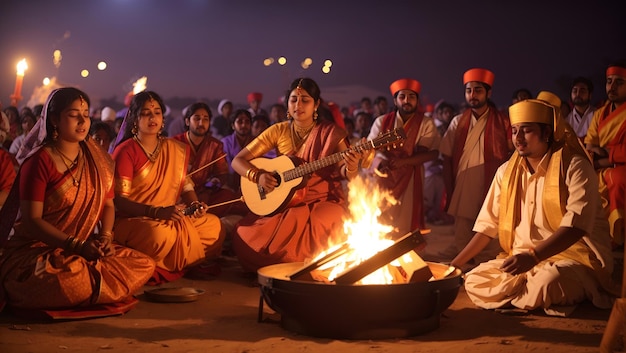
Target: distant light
x=328, y=63
x=308, y=61
x=268, y=61
x=46, y=81
x=282, y=60
x=326, y=69
x=102, y=66
x=304, y=65
x=57, y=58
x=84, y=73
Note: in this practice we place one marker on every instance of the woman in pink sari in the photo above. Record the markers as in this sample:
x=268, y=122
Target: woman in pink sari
x=61, y=254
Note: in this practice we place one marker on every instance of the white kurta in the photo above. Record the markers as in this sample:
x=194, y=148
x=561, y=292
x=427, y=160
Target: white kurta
x=550, y=283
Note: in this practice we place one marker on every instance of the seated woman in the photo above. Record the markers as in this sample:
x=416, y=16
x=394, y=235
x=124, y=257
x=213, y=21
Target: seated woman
x=61, y=254
x=301, y=231
x=150, y=178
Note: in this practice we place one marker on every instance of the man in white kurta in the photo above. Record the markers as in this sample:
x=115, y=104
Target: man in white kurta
x=553, y=256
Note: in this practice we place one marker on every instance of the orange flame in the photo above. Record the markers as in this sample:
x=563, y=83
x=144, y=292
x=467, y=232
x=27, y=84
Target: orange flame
x=366, y=236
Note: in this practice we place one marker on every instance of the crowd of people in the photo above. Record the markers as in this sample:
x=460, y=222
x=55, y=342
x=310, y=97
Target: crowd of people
x=94, y=207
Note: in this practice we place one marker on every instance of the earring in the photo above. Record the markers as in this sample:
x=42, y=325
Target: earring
x=288, y=116
x=55, y=134
x=134, y=129
x=162, y=129
x=315, y=115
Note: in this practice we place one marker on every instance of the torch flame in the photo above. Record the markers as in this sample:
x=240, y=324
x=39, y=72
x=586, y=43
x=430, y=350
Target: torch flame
x=140, y=85
x=21, y=67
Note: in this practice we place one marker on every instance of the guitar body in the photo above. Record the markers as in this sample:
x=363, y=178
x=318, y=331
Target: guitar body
x=262, y=203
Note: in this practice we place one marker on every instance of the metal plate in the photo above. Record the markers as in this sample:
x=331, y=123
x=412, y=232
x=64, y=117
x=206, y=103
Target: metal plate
x=174, y=295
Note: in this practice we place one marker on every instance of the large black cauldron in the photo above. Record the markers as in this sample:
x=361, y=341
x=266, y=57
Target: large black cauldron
x=348, y=311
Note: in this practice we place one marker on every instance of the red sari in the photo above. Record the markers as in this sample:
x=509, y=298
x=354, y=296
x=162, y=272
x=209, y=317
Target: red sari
x=7, y=171
x=35, y=275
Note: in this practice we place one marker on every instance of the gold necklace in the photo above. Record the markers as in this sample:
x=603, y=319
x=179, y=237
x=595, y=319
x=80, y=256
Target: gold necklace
x=303, y=131
x=151, y=155
x=298, y=137
x=69, y=166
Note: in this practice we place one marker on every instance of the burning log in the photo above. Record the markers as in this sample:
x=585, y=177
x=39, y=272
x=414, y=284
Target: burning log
x=410, y=267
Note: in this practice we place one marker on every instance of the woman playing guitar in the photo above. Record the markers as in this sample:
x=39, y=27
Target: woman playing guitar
x=300, y=231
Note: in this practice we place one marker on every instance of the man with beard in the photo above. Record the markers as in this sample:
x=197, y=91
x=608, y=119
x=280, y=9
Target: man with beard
x=476, y=143
x=580, y=117
x=606, y=140
x=209, y=182
x=400, y=170
x=235, y=142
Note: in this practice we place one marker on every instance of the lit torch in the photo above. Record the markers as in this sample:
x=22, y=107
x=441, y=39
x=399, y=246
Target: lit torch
x=19, y=78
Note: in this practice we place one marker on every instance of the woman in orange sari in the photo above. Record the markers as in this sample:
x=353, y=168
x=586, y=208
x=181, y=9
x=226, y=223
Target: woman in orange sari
x=301, y=231
x=150, y=179
x=61, y=253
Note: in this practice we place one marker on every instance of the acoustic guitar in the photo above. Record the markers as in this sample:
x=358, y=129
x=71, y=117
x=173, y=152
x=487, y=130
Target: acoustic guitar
x=291, y=172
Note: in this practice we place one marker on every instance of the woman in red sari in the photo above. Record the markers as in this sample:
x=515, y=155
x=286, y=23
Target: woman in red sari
x=299, y=232
x=61, y=253
x=150, y=180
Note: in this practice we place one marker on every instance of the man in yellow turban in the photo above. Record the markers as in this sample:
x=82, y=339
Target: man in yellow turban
x=544, y=208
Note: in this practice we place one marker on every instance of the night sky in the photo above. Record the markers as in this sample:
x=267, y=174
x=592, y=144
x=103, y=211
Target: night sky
x=206, y=49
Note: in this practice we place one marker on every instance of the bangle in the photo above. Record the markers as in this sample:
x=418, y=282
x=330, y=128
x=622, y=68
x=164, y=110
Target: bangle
x=106, y=233
x=67, y=244
x=534, y=255
x=154, y=212
x=252, y=173
x=79, y=246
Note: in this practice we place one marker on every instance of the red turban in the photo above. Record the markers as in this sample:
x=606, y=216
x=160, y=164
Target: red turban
x=255, y=96
x=405, y=83
x=616, y=70
x=480, y=75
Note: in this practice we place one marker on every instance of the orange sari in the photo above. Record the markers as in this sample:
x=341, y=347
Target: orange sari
x=37, y=276
x=174, y=245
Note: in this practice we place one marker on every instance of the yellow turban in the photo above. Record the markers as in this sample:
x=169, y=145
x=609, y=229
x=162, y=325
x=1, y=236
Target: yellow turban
x=550, y=98
x=532, y=111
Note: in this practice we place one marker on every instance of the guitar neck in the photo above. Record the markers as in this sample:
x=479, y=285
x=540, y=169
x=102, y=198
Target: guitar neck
x=311, y=167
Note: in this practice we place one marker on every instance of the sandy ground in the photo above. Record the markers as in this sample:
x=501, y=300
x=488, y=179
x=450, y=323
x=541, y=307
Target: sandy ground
x=224, y=319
